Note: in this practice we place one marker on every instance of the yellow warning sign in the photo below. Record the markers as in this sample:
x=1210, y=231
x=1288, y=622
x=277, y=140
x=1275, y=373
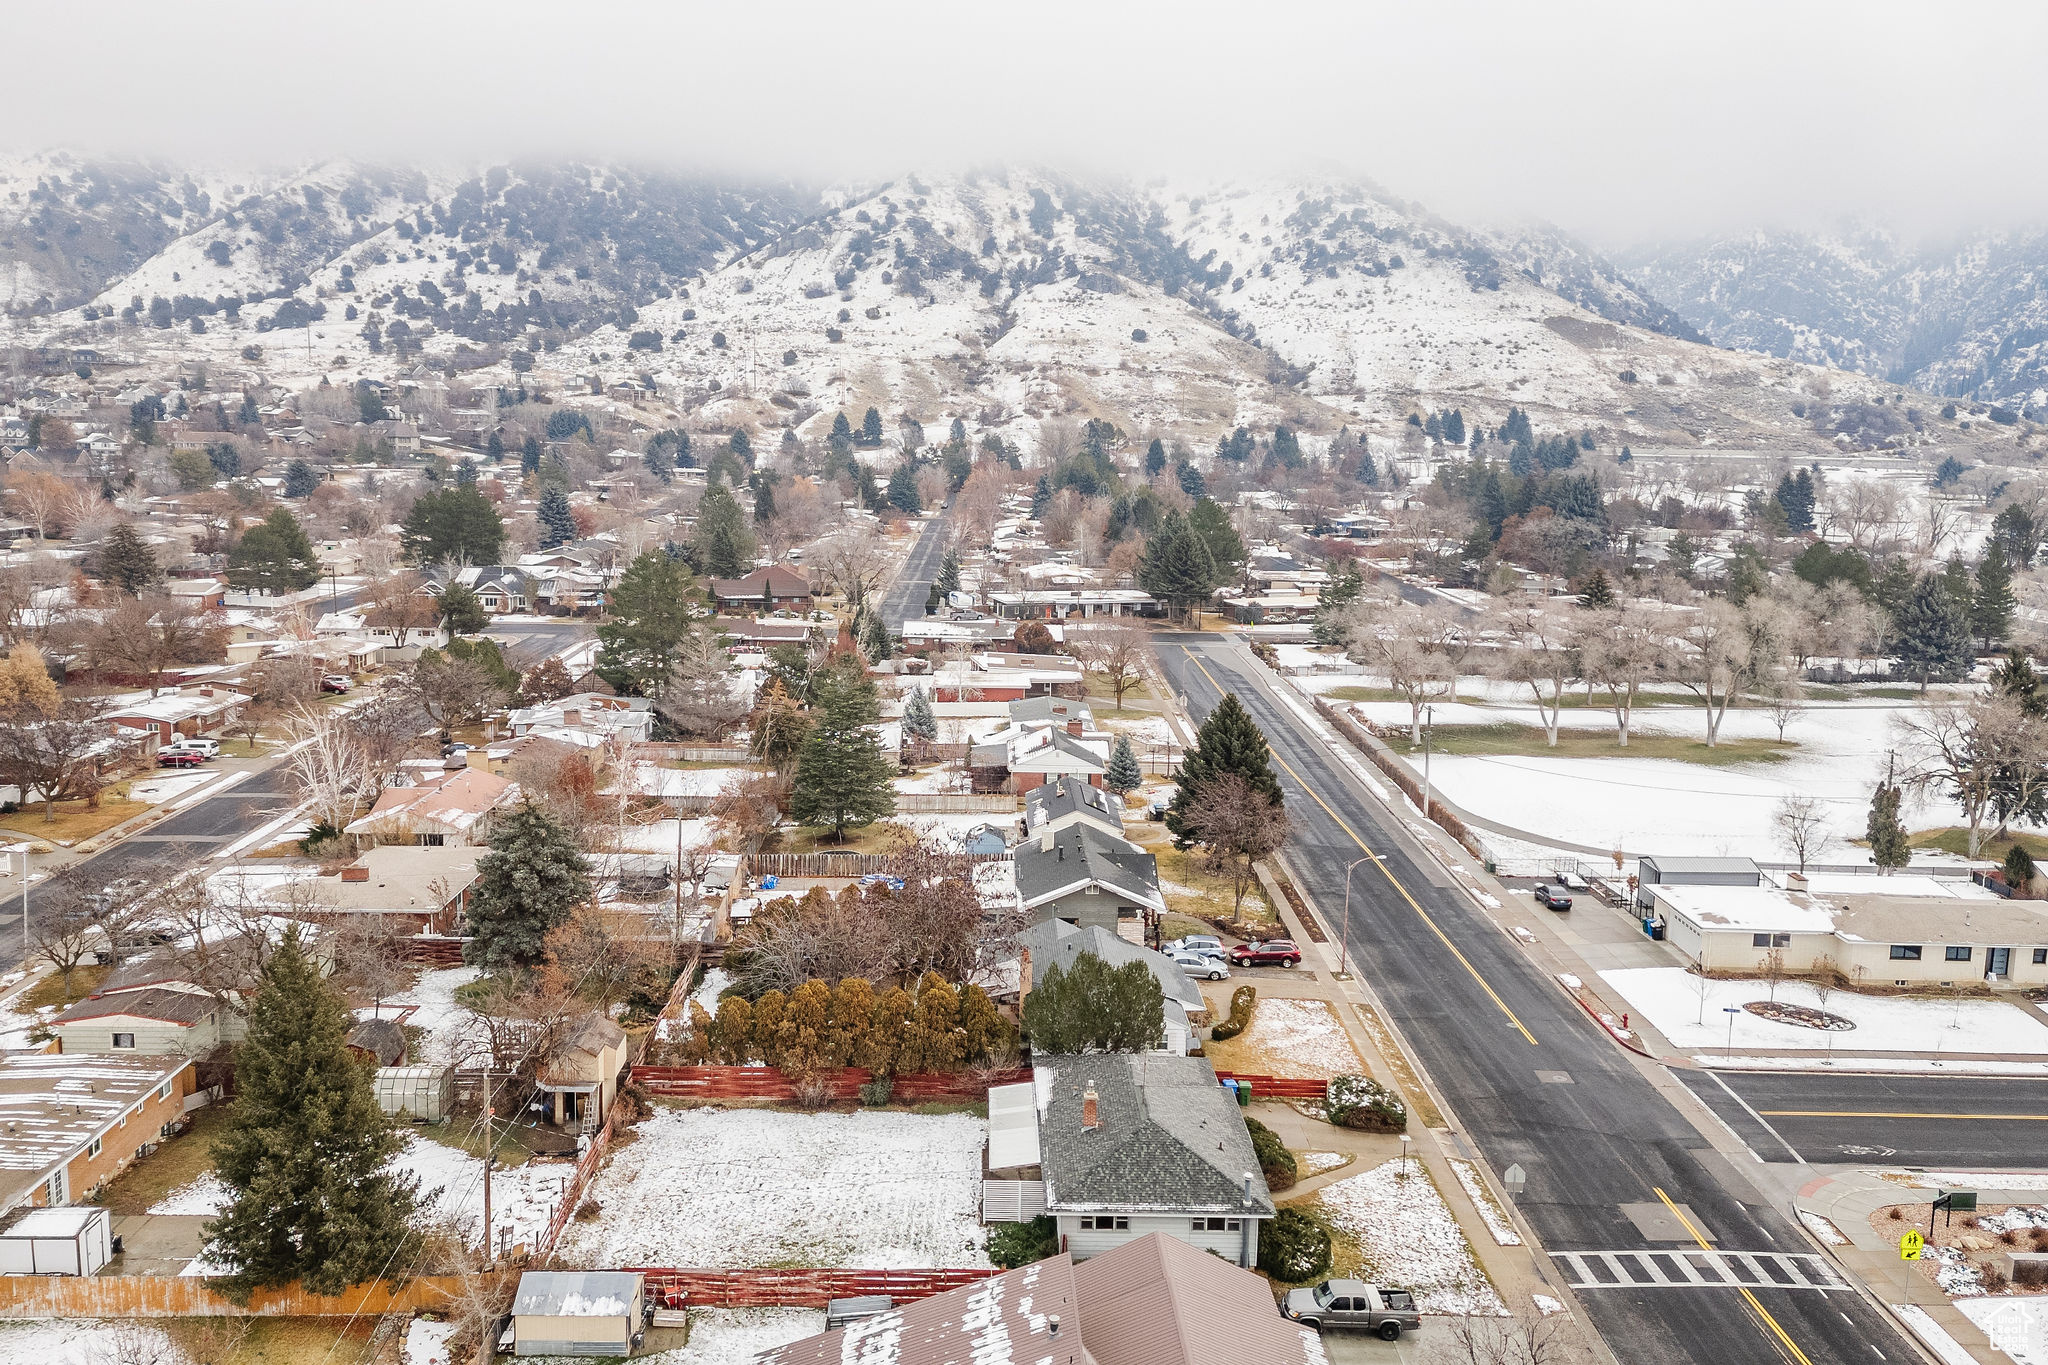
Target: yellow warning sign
x=1910, y=1246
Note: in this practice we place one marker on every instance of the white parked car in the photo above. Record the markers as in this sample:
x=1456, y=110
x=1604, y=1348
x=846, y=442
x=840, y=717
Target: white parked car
x=186, y=744
x=1199, y=964
x=1206, y=945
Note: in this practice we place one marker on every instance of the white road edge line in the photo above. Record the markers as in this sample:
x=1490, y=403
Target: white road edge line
x=207, y=793
x=1758, y=1117
x=261, y=832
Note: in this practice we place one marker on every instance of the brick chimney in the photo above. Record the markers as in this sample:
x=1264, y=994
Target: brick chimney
x=1074, y=727
x=355, y=874
x=1091, y=1115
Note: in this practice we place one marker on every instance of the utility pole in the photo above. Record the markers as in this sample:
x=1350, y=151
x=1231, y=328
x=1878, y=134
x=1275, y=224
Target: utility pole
x=490, y=1112
x=1428, y=729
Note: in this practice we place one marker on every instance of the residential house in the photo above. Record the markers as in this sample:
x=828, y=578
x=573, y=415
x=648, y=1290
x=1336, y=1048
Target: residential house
x=1054, y=942
x=499, y=588
x=154, y=1021
x=202, y=594
x=1154, y=1301
x=435, y=810
x=412, y=888
x=1060, y=604
x=71, y=1123
x=583, y=1076
x=1089, y=878
x=1064, y=801
x=1124, y=1146
x=995, y=676
x=177, y=711
x=774, y=588
x=1022, y=757
x=586, y=715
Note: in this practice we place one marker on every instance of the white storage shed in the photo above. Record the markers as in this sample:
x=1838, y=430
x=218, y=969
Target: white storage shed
x=67, y=1240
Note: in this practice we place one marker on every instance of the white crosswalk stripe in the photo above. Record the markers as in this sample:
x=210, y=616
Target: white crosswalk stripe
x=1691, y=1268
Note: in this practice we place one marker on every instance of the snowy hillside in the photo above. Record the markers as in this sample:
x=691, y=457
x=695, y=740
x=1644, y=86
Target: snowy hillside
x=1967, y=319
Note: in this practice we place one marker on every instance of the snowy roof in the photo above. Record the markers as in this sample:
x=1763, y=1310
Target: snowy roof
x=1683, y=866
x=1856, y=884
x=1746, y=908
x=576, y=1294
x=1007, y=1319
x=52, y=1104
x=1168, y=1138
x=1880, y=918
x=67, y=1220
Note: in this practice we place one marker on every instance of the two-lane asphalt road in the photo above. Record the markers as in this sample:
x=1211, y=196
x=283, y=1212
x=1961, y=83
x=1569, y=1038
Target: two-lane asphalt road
x=1971, y=1123
x=1612, y=1166
x=906, y=596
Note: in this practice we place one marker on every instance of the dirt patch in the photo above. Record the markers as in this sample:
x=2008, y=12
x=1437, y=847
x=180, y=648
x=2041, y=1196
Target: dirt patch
x=1800, y=1016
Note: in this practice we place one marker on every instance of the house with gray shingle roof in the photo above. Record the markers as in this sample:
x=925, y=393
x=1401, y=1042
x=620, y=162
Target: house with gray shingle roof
x=1130, y=1145
x=1065, y=800
x=1088, y=876
x=1056, y=943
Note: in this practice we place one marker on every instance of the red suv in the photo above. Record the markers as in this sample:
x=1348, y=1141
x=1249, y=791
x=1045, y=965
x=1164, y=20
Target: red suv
x=1274, y=952
x=180, y=758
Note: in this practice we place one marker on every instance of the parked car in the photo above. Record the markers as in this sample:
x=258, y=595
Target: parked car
x=1274, y=952
x=1355, y=1306
x=1199, y=964
x=205, y=748
x=1553, y=898
x=180, y=758
x=336, y=682
x=455, y=751
x=1208, y=945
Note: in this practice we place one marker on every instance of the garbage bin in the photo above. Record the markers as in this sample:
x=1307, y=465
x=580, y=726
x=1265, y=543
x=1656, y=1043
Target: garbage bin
x=1244, y=1094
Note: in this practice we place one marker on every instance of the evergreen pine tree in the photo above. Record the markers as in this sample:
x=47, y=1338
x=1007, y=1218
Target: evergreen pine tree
x=1122, y=774
x=870, y=429
x=764, y=501
x=841, y=777
x=2014, y=529
x=274, y=556
x=1229, y=741
x=1211, y=524
x=557, y=522
x=903, y=489
x=304, y=1159
x=1176, y=567
x=1348, y=586
x=529, y=456
x=875, y=641
x=724, y=546
x=494, y=446
x=299, y=479
x=779, y=725
x=1191, y=481
x=1955, y=577
x=125, y=560
x=1155, y=458
x=465, y=474
x=525, y=886
x=1041, y=496
x=949, y=572
x=646, y=621
x=461, y=612
x=1932, y=632
x=1598, y=593
x=1888, y=847
x=1368, y=472
x=919, y=722
x=1992, y=607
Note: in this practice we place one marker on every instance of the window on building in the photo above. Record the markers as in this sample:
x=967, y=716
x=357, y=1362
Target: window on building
x=432, y=840
x=1905, y=952
x=2040, y=956
x=1103, y=1222
x=1217, y=1225
x=92, y=1149
x=124, y=1040
x=1770, y=940
x=1959, y=954
x=163, y=1092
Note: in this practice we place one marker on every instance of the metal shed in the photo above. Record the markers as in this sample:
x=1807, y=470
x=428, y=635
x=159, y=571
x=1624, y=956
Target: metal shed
x=1680, y=871
x=576, y=1313
x=69, y=1240
x=424, y=1093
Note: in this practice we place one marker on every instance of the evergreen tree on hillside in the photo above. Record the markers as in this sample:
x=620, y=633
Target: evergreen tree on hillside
x=2014, y=528
x=529, y=455
x=1286, y=449
x=1993, y=605
x=1229, y=741
x=125, y=560
x=1122, y=774
x=1191, y=481
x=1932, y=633
x=649, y=616
x=299, y=479
x=303, y=1161
x=764, y=500
x=1211, y=524
x=455, y=525
x=1155, y=458
x=526, y=885
x=870, y=430
x=1176, y=567
x=1368, y=472
x=557, y=522
x=1598, y=593
x=841, y=777
x=1795, y=496
x=274, y=556
x=1041, y=496
x=724, y=545
x=903, y=489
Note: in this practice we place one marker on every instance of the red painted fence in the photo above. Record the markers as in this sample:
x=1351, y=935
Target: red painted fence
x=672, y=1288
x=767, y=1083
x=1281, y=1087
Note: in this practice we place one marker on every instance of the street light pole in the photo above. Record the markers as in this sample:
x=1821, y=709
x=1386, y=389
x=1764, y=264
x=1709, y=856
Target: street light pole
x=1344, y=933
x=1428, y=728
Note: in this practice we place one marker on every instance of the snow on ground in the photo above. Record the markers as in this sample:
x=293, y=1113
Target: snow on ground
x=1968, y=1180
x=2016, y=1325
x=1670, y=997
x=1306, y=1033
x=159, y=789
x=451, y=1191
x=1823, y=1229
x=1933, y=1335
x=734, y=1336
x=1315, y=1163
x=84, y=1341
x=649, y=780
x=1498, y=1225
x=1152, y=730
x=434, y=1009
x=1546, y=1305
x=426, y=1342
x=1875, y=1066
x=660, y=837
x=1407, y=1236
x=738, y=1187
x=716, y=979
x=948, y=832
x=942, y=780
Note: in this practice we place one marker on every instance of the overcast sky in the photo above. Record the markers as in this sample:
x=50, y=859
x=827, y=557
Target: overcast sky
x=1618, y=121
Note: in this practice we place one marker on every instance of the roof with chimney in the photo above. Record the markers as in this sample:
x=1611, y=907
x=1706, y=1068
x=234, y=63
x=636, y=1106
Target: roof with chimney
x=1166, y=1138
x=1065, y=799
x=775, y=580
x=1055, y=863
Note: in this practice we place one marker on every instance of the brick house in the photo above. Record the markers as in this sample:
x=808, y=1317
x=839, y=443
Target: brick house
x=75, y=1122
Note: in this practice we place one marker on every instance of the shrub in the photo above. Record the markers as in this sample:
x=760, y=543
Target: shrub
x=1276, y=1163
x=1240, y=1018
x=1294, y=1247
x=814, y=1092
x=875, y=1093
x=2030, y=1274
x=1013, y=1244
x=588, y=1210
x=1362, y=1102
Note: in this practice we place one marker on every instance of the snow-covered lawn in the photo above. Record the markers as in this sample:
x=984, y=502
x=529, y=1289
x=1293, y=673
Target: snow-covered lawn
x=155, y=790
x=451, y=1192
x=2016, y=1325
x=945, y=778
x=432, y=997
x=1152, y=730
x=1670, y=998
x=426, y=1342
x=1406, y=1235
x=650, y=780
x=1498, y=1225
x=740, y=1187
x=84, y=1341
x=1301, y=1037
x=734, y=1336
x=660, y=836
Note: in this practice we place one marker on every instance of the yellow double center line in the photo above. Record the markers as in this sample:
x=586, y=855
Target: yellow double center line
x=1386, y=872
x=1763, y=1314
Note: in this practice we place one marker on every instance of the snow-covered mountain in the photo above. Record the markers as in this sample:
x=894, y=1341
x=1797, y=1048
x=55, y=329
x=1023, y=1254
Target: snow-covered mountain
x=1008, y=296
x=1965, y=318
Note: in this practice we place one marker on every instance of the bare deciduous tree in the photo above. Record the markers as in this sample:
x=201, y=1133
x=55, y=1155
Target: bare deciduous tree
x=1619, y=651
x=1802, y=823
x=1972, y=749
x=329, y=769
x=52, y=758
x=397, y=604
x=1539, y=651
x=1239, y=826
x=853, y=561
x=1392, y=638
x=1716, y=651
x=1117, y=651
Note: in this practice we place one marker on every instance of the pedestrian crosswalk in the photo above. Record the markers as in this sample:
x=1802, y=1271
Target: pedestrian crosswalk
x=1695, y=1269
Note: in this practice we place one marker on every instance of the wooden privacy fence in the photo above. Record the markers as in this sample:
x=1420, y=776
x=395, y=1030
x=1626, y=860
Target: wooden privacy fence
x=836, y=864
x=671, y=1288
x=431, y=951
x=767, y=1083
x=1281, y=1087
x=177, y=1296
x=694, y=753
x=955, y=803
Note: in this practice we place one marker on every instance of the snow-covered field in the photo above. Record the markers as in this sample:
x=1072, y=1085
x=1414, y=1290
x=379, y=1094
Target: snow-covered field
x=660, y=836
x=434, y=1009
x=1305, y=1033
x=1670, y=997
x=88, y=1342
x=1407, y=1235
x=451, y=1192
x=738, y=1187
x=734, y=1336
